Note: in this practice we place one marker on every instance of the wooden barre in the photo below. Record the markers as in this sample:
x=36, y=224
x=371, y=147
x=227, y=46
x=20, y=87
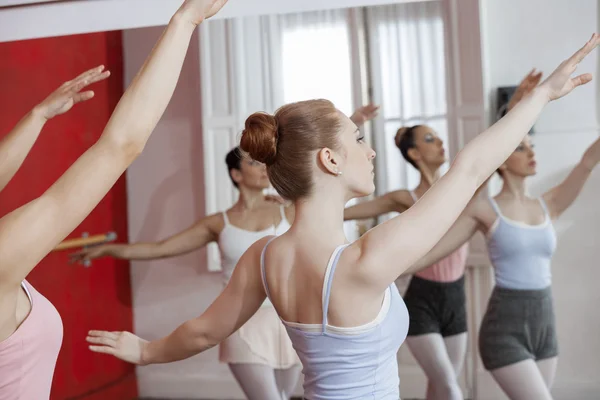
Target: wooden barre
x=86, y=241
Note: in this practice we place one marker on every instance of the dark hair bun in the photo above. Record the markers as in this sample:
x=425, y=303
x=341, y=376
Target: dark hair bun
x=259, y=138
x=399, y=135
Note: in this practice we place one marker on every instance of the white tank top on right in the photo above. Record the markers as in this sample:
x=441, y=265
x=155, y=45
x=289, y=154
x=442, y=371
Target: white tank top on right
x=520, y=253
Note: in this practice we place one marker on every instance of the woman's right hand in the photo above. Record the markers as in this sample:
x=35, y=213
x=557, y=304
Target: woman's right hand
x=123, y=345
x=90, y=253
x=70, y=93
x=560, y=83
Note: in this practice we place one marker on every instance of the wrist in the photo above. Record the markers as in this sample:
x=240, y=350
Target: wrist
x=109, y=250
x=146, y=354
x=543, y=93
x=588, y=164
x=39, y=113
x=180, y=19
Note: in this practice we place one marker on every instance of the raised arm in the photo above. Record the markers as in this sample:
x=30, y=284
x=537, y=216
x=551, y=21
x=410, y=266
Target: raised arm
x=195, y=237
x=364, y=114
x=460, y=233
x=32, y=231
x=239, y=301
x=392, y=247
x=393, y=201
x=562, y=196
x=15, y=146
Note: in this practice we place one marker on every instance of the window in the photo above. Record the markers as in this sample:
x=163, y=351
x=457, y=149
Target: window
x=316, y=60
x=407, y=57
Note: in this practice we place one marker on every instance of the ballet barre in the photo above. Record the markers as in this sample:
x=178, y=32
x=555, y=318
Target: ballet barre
x=86, y=241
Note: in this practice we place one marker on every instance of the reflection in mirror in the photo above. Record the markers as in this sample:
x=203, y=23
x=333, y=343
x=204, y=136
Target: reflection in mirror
x=392, y=56
x=396, y=56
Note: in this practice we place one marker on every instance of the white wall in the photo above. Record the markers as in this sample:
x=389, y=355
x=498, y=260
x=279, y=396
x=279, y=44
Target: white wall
x=519, y=35
x=166, y=195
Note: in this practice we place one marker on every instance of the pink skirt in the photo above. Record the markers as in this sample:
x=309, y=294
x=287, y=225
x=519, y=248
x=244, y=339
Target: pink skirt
x=261, y=340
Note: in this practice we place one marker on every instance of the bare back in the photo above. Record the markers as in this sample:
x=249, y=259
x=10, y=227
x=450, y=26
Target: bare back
x=295, y=266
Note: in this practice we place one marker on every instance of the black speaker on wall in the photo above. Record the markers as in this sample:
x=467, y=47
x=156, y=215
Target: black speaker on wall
x=503, y=95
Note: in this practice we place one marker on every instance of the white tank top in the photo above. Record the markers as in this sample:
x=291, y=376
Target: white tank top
x=233, y=243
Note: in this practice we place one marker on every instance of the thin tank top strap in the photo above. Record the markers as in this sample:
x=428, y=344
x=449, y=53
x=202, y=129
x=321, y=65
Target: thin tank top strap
x=225, y=218
x=544, y=206
x=282, y=212
x=263, y=271
x=27, y=292
x=413, y=195
x=333, y=261
x=495, y=206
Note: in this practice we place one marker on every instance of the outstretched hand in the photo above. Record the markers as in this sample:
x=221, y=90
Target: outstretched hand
x=69, y=93
x=364, y=114
x=530, y=82
x=560, y=83
x=196, y=11
x=123, y=345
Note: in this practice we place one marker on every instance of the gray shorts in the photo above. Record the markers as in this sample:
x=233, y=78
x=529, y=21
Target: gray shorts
x=518, y=325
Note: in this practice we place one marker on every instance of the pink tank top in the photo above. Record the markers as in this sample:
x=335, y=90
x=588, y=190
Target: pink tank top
x=448, y=269
x=28, y=356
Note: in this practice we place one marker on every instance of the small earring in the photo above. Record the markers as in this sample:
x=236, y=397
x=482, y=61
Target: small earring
x=339, y=173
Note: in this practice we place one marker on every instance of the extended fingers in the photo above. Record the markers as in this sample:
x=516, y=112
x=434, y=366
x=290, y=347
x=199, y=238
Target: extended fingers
x=98, y=77
x=83, y=96
x=85, y=79
x=101, y=340
x=80, y=84
x=585, y=50
x=581, y=79
x=103, y=349
x=104, y=334
x=89, y=73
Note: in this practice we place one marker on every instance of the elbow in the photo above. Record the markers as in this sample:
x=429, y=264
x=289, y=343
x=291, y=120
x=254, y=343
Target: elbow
x=126, y=147
x=130, y=150
x=469, y=167
x=202, y=338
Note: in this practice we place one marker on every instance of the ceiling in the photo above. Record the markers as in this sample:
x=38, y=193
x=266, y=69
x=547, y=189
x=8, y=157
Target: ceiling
x=28, y=19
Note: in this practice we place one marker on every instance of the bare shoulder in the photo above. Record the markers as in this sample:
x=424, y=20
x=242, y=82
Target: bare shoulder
x=255, y=251
x=213, y=222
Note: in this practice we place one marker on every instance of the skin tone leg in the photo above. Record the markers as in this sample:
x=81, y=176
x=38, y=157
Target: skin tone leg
x=547, y=368
x=287, y=380
x=431, y=354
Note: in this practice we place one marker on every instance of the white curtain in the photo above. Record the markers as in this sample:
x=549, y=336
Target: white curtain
x=311, y=57
x=292, y=57
x=409, y=81
x=316, y=62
